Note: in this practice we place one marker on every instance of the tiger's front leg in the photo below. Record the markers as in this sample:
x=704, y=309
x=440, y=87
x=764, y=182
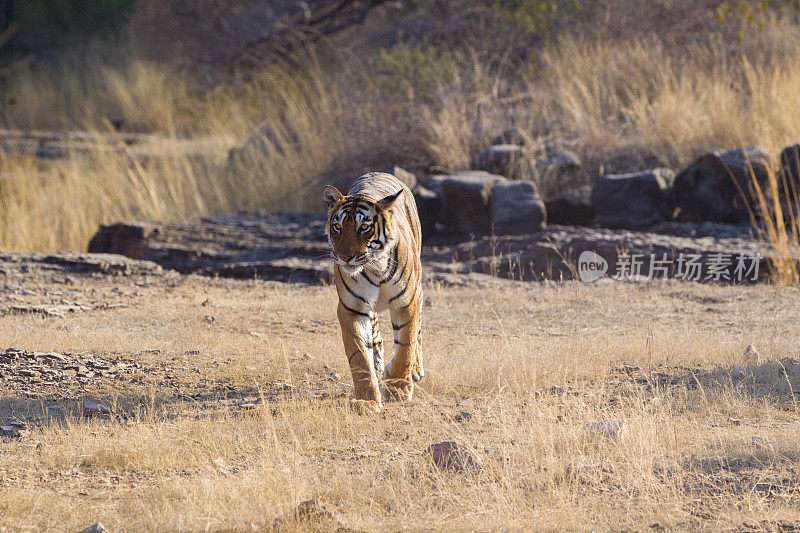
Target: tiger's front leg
x=407, y=356
x=357, y=337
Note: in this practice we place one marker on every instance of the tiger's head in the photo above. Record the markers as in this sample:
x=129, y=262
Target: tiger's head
x=358, y=229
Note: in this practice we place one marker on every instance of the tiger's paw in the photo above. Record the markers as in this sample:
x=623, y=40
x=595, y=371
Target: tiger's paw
x=396, y=390
x=417, y=373
x=365, y=407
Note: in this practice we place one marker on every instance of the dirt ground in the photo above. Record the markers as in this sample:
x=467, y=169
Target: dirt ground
x=228, y=408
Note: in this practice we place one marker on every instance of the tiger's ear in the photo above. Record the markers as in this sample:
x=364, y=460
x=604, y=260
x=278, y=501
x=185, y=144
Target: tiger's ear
x=331, y=195
x=387, y=201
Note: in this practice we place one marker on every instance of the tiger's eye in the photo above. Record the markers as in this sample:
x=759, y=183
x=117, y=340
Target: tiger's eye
x=336, y=226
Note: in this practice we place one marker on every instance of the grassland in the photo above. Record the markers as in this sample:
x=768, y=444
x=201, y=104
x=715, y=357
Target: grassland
x=709, y=442
x=621, y=91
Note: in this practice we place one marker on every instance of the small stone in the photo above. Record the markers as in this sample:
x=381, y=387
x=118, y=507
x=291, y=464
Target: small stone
x=449, y=455
x=751, y=355
x=95, y=528
x=734, y=421
x=248, y=405
x=9, y=432
x=463, y=416
x=590, y=472
x=612, y=429
x=91, y=409
x=210, y=319
x=52, y=356
x=192, y=352
x=24, y=372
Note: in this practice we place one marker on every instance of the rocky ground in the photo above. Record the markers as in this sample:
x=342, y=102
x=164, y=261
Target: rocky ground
x=292, y=247
x=147, y=399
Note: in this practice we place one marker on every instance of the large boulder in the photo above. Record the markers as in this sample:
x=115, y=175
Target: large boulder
x=516, y=208
x=499, y=159
x=718, y=186
x=572, y=207
x=633, y=201
x=790, y=164
x=429, y=207
x=465, y=201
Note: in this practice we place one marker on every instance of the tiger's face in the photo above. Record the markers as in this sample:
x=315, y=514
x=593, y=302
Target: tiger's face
x=358, y=229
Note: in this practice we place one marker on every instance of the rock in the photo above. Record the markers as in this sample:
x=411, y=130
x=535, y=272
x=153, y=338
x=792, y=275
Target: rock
x=463, y=416
x=403, y=175
x=429, y=208
x=512, y=136
x=91, y=409
x=751, y=355
x=718, y=185
x=590, y=472
x=790, y=165
x=633, y=201
x=9, y=432
x=284, y=247
x=571, y=208
x=434, y=182
x=516, y=208
x=499, y=159
x=465, y=201
x=556, y=168
x=611, y=429
x=95, y=528
x=452, y=456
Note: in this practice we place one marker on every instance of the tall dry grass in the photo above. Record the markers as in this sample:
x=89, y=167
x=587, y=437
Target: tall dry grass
x=621, y=104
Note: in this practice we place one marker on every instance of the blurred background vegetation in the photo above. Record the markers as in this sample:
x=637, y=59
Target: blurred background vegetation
x=245, y=104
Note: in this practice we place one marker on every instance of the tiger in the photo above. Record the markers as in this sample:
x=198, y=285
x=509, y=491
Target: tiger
x=376, y=243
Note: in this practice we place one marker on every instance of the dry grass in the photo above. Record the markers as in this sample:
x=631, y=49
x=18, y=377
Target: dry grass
x=683, y=463
x=622, y=101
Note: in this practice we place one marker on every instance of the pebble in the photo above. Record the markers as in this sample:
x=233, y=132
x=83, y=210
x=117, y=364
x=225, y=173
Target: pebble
x=450, y=455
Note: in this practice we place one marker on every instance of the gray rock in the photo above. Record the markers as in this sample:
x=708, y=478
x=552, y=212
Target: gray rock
x=91, y=409
x=718, y=186
x=434, y=182
x=559, y=162
x=499, y=159
x=571, y=208
x=95, y=528
x=516, y=208
x=633, y=201
x=790, y=164
x=449, y=455
x=465, y=201
x=429, y=208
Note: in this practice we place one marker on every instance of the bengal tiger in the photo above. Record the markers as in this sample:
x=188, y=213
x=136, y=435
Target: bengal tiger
x=376, y=241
